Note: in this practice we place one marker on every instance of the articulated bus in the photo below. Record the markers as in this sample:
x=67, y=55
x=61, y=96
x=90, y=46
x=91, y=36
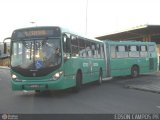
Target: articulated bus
x=130, y=58
x=53, y=58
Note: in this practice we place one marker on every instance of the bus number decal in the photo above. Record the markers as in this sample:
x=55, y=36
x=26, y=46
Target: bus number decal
x=95, y=64
x=85, y=64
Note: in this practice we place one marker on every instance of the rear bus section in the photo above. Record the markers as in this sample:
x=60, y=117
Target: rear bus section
x=131, y=58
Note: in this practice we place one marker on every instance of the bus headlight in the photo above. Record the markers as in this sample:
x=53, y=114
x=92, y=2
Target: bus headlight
x=57, y=75
x=14, y=76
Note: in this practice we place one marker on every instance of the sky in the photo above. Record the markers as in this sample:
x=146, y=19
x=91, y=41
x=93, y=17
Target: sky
x=102, y=16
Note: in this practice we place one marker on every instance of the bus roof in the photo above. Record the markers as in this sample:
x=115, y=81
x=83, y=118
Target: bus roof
x=62, y=29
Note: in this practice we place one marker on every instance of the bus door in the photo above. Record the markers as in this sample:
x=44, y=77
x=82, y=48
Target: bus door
x=151, y=57
x=107, y=59
x=151, y=63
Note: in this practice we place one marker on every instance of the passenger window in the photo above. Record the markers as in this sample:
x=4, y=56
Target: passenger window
x=66, y=43
x=122, y=51
x=134, y=51
x=74, y=46
x=143, y=48
x=98, y=50
x=151, y=48
x=133, y=48
x=143, y=51
x=102, y=51
x=93, y=50
x=82, y=52
x=121, y=48
x=88, y=49
x=74, y=41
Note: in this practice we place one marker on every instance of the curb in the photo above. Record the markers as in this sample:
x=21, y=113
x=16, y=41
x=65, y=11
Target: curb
x=4, y=67
x=142, y=89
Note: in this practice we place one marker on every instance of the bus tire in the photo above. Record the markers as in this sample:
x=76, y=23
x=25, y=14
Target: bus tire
x=134, y=71
x=99, y=81
x=78, y=81
x=37, y=91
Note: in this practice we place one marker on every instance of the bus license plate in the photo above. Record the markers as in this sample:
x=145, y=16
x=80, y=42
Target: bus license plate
x=36, y=86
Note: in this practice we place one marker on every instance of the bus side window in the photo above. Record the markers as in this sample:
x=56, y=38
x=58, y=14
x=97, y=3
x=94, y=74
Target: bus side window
x=98, y=50
x=143, y=48
x=74, y=46
x=88, y=49
x=143, y=51
x=134, y=51
x=151, y=48
x=82, y=52
x=102, y=51
x=66, y=44
x=122, y=51
x=93, y=50
x=89, y=52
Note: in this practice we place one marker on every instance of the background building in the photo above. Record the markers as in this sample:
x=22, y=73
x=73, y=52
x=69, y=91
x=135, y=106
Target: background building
x=139, y=33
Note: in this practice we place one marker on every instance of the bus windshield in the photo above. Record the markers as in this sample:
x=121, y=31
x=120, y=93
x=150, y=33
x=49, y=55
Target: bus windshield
x=36, y=54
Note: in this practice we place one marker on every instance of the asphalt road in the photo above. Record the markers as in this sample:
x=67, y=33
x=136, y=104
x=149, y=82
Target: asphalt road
x=110, y=97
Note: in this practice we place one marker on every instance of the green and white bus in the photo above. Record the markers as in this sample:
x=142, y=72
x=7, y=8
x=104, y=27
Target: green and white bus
x=130, y=58
x=53, y=58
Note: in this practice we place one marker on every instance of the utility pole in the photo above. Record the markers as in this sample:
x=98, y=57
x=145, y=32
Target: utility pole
x=86, y=22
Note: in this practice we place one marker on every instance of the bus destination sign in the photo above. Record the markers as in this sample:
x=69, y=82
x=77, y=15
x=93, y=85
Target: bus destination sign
x=35, y=33
x=39, y=32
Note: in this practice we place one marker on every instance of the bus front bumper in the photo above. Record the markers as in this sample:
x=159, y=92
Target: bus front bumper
x=59, y=84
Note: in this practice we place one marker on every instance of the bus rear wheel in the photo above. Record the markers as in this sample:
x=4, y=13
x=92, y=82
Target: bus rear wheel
x=134, y=72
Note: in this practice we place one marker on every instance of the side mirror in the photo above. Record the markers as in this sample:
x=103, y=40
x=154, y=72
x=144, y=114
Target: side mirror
x=5, y=48
x=5, y=44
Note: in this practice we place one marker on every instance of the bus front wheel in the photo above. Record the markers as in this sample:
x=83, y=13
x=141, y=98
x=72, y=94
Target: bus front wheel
x=37, y=91
x=99, y=82
x=134, y=72
x=78, y=81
